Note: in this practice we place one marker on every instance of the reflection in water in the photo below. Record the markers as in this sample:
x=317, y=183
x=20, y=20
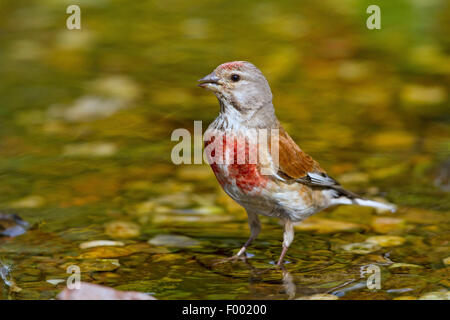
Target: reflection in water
x=288, y=284
x=281, y=283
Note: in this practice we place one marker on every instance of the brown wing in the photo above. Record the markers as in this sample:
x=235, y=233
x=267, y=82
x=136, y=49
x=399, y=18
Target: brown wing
x=293, y=162
x=296, y=165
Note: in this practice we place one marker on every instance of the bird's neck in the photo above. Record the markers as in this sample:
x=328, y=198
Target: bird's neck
x=235, y=118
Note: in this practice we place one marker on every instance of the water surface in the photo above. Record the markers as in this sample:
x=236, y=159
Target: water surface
x=86, y=118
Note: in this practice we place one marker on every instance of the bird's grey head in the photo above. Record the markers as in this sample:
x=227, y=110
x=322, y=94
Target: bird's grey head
x=239, y=85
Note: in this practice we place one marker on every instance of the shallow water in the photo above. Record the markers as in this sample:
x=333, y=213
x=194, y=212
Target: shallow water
x=86, y=118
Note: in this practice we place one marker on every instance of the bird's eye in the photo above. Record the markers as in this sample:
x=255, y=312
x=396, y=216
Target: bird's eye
x=235, y=78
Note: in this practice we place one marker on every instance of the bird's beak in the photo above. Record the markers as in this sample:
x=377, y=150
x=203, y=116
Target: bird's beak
x=211, y=81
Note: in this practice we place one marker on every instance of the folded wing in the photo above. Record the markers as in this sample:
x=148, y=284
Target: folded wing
x=297, y=166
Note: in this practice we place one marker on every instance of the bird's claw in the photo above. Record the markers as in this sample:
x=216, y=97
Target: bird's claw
x=232, y=259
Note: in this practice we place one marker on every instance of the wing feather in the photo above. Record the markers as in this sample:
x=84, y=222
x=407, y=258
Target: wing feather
x=297, y=166
x=293, y=161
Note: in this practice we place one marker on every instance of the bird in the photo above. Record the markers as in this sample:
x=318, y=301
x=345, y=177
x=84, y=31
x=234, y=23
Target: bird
x=258, y=164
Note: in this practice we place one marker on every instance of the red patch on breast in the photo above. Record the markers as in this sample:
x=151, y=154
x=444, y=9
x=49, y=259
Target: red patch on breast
x=239, y=163
x=222, y=179
x=247, y=176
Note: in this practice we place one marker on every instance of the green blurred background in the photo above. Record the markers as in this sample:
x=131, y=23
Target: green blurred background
x=86, y=117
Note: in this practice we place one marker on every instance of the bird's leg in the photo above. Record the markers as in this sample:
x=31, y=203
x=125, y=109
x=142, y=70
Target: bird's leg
x=288, y=236
x=255, y=228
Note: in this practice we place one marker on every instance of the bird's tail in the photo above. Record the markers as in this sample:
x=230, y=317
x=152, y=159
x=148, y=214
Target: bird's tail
x=376, y=204
x=366, y=203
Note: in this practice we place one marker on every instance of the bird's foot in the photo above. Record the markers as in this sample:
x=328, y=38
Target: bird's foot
x=279, y=264
x=273, y=268
x=232, y=259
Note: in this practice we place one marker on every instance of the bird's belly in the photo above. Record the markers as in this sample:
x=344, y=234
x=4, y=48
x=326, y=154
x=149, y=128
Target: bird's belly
x=259, y=194
x=295, y=201
x=245, y=183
